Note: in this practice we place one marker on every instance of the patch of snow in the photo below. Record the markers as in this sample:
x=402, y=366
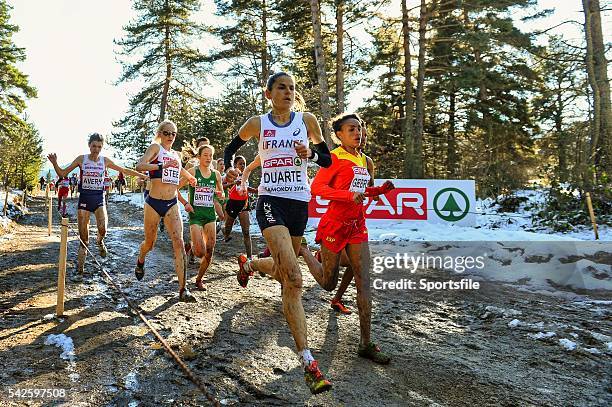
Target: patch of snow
x=514, y=323
x=63, y=342
x=567, y=344
x=542, y=335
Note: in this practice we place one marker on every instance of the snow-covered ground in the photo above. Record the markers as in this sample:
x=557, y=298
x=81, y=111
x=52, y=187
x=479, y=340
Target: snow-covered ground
x=491, y=225
x=14, y=209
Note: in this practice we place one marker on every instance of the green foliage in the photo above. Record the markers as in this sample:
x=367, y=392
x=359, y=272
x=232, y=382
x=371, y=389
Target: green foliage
x=158, y=48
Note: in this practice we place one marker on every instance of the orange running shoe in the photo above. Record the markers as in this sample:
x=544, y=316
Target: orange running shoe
x=317, y=383
x=339, y=306
x=243, y=275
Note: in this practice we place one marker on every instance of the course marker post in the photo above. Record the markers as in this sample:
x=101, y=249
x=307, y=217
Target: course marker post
x=49, y=210
x=61, y=275
x=592, y=215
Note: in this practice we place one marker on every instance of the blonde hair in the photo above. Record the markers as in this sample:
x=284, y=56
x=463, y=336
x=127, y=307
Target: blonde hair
x=160, y=126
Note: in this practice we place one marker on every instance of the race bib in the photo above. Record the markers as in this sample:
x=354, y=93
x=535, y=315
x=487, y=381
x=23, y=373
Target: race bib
x=361, y=177
x=93, y=180
x=203, y=196
x=171, y=175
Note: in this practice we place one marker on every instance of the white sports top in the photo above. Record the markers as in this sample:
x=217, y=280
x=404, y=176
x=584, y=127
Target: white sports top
x=92, y=174
x=283, y=173
x=170, y=175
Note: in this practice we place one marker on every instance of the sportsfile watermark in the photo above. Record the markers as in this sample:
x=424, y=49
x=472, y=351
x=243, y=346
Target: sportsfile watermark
x=469, y=266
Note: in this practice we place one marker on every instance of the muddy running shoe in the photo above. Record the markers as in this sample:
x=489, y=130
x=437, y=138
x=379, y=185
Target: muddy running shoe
x=339, y=306
x=317, y=383
x=243, y=274
x=139, y=270
x=189, y=252
x=304, y=242
x=372, y=351
x=218, y=227
x=186, y=296
x=81, y=260
x=103, y=249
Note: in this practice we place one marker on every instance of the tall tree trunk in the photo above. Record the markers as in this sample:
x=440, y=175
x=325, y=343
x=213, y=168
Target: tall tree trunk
x=420, y=102
x=408, y=122
x=560, y=136
x=451, y=147
x=339, y=56
x=321, y=74
x=168, y=59
x=600, y=152
x=264, y=53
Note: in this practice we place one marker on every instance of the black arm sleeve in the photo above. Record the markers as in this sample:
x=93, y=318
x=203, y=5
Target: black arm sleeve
x=231, y=149
x=324, y=159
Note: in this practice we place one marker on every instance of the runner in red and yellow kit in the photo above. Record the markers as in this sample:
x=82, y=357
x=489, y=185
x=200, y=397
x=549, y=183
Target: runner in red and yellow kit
x=345, y=184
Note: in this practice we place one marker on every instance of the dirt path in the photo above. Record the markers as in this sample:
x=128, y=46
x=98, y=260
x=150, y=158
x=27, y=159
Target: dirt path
x=448, y=349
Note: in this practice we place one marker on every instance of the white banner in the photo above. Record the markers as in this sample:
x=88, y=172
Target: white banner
x=416, y=200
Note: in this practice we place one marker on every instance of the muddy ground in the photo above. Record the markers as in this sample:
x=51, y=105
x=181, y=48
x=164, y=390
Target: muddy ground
x=447, y=348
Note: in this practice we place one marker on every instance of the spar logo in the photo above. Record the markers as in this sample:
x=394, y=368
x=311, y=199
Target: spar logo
x=269, y=133
x=282, y=162
x=451, y=204
x=400, y=204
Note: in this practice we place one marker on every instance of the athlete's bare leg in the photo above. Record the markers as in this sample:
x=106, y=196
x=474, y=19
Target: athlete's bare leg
x=174, y=227
x=326, y=273
x=245, y=223
x=203, y=239
x=102, y=222
x=359, y=257
x=151, y=220
x=283, y=267
x=83, y=222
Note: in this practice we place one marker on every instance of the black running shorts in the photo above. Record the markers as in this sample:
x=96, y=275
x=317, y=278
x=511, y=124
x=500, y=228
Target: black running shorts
x=291, y=213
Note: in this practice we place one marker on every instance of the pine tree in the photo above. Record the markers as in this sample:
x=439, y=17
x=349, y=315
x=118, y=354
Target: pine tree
x=14, y=86
x=158, y=49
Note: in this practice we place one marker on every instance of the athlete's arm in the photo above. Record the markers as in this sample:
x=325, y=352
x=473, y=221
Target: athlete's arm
x=248, y=130
x=63, y=172
x=381, y=190
x=144, y=164
x=219, y=186
x=110, y=164
x=320, y=152
x=183, y=181
x=320, y=185
x=370, y=165
x=245, y=175
x=190, y=178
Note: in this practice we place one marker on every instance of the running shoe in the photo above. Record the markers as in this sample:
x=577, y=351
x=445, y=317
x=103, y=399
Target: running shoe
x=339, y=306
x=103, y=249
x=317, y=383
x=243, y=275
x=139, y=270
x=186, y=296
x=304, y=242
x=372, y=351
x=317, y=255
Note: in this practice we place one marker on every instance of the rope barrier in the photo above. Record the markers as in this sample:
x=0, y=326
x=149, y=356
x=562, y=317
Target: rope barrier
x=195, y=380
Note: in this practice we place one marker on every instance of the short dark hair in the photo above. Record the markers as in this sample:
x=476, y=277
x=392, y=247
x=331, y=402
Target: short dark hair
x=95, y=137
x=339, y=120
x=239, y=157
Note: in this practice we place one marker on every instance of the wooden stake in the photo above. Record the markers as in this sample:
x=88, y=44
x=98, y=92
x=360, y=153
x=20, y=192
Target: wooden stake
x=61, y=275
x=50, y=212
x=592, y=215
